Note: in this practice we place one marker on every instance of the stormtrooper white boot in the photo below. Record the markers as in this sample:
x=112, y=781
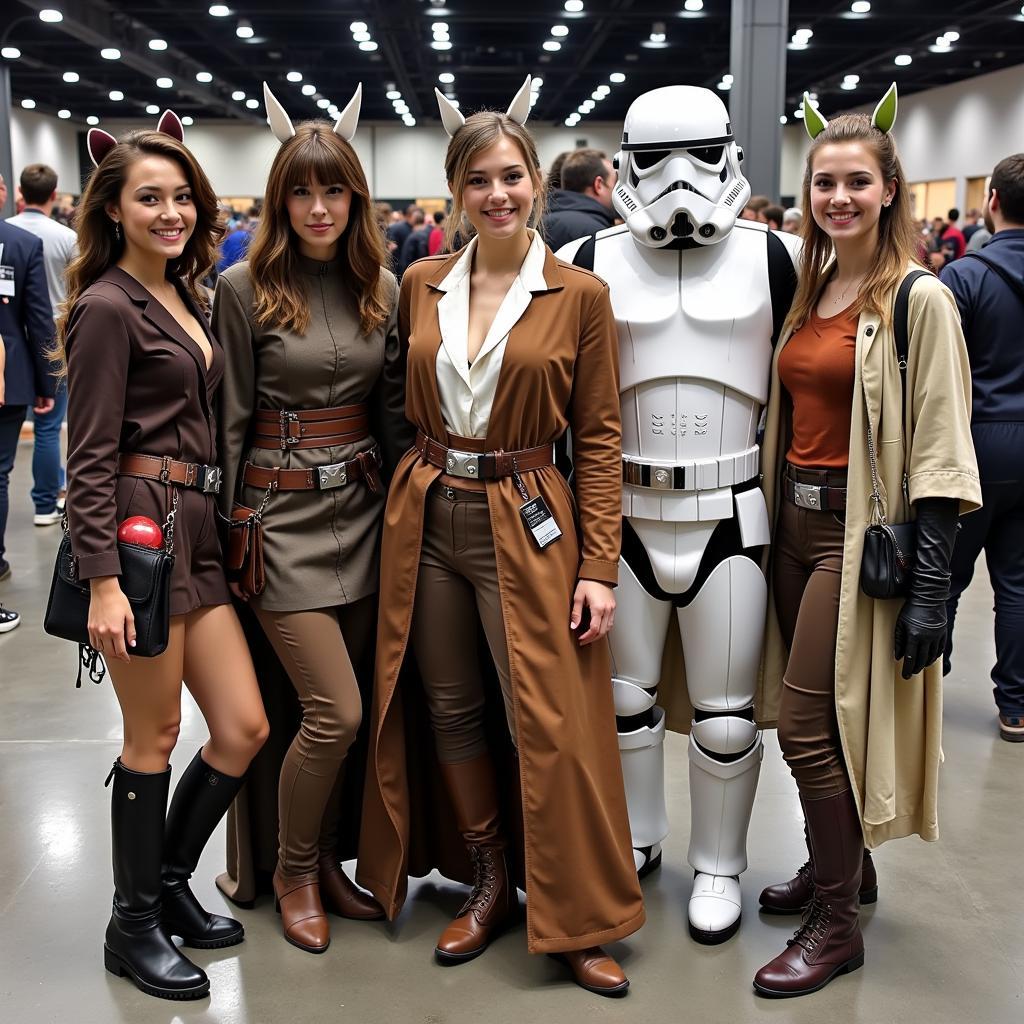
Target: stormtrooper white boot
x=721, y=799
x=643, y=772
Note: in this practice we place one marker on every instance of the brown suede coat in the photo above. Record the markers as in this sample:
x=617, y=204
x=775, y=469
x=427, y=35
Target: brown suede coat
x=560, y=370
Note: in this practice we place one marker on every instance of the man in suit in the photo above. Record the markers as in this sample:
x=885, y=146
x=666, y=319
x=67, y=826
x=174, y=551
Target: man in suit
x=26, y=326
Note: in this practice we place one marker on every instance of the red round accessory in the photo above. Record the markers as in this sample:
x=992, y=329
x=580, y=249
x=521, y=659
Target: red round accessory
x=141, y=530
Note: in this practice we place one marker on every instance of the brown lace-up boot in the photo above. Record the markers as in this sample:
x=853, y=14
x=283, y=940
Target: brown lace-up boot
x=829, y=941
x=791, y=897
x=493, y=903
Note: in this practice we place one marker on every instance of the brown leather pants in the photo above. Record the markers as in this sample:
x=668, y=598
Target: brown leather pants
x=317, y=649
x=457, y=587
x=806, y=573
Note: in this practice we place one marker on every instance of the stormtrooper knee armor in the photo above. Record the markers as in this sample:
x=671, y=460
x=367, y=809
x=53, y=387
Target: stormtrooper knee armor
x=698, y=297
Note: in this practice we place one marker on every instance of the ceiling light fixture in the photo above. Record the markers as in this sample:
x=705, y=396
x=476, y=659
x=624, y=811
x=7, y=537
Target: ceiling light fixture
x=116, y=95
x=559, y=31
x=368, y=46
x=220, y=10
x=244, y=29
x=165, y=83
x=357, y=26
x=50, y=16
x=204, y=76
x=901, y=60
x=158, y=44
x=361, y=37
x=693, y=6
x=152, y=108
x=860, y=7
x=92, y=119
x=238, y=95
x=70, y=76
x=110, y=53
x=64, y=114
x=446, y=78
x=188, y=121
x=294, y=76
x=252, y=104
x=574, y=6
x=552, y=45
x=10, y=53
x=441, y=44
x=617, y=77
x=308, y=89
x=29, y=104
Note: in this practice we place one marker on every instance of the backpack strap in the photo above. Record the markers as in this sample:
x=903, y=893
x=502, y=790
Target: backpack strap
x=1017, y=287
x=901, y=315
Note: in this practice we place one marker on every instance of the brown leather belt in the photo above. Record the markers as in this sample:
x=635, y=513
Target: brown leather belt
x=365, y=466
x=809, y=488
x=482, y=466
x=285, y=429
x=170, y=471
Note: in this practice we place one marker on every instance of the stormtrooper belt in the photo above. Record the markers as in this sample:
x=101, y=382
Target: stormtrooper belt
x=692, y=475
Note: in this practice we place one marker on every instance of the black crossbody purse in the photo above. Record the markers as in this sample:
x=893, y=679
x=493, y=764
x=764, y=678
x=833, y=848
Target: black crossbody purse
x=145, y=580
x=890, y=549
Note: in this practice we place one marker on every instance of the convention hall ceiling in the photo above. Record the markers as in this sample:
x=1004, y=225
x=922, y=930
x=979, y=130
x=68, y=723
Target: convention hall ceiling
x=208, y=60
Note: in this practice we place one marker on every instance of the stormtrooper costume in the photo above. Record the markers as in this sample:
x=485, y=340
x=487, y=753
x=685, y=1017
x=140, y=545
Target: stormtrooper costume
x=699, y=297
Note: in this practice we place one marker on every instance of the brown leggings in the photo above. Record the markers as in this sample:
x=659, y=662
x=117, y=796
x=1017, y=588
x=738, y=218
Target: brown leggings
x=458, y=582
x=317, y=649
x=806, y=574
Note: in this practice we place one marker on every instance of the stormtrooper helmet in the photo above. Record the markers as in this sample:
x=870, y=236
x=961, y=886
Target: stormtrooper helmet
x=679, y=168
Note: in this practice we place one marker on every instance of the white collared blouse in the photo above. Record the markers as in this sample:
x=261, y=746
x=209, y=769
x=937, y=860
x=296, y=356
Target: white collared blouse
x=467, y=391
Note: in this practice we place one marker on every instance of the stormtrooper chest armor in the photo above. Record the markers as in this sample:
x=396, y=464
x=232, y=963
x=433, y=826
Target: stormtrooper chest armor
x=695, y=329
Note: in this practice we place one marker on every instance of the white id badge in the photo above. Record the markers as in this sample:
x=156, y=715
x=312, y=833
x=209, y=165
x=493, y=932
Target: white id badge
x=7, y=282
x=540, y=522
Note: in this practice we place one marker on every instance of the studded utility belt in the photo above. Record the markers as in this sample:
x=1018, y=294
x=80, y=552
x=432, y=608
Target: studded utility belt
x=169, y=471
x=692, y=475
x=483, y=465
x=821, y=490
x=285, y=429
x=365, y=466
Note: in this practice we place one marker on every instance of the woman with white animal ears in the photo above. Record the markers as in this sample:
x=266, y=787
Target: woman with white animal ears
x=311, y=426
x=507, y=349
x=858, y=433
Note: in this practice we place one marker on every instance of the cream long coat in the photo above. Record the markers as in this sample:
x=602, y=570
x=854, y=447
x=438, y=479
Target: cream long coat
x=891, y=728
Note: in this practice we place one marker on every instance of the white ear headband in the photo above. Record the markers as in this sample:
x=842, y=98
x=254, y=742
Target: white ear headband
x=283, y=129
x=518, y=109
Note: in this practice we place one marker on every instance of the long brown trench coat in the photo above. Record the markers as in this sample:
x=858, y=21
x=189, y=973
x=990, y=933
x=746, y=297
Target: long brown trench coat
x=560, y=369
x=890, y=727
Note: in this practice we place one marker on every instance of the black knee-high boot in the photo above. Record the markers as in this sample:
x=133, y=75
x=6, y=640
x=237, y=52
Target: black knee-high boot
x=136, y=944
x=200, y=800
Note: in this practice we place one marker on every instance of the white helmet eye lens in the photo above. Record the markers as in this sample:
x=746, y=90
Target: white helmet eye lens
x=644, y=158
x=707, y=154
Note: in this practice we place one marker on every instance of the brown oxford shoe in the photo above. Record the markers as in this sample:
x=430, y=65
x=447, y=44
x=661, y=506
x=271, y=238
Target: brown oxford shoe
x=342, y=896
x=302, y=914
x=594, y=970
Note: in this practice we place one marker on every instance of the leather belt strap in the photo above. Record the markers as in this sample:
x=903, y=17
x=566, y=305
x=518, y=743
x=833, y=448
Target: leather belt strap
x=170, y=471
x=284, y=429
x=482, y=466
x=365, y=466
x=815, y=497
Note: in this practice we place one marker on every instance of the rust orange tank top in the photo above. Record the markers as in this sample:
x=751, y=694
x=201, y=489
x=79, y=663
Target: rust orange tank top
x=817, y=370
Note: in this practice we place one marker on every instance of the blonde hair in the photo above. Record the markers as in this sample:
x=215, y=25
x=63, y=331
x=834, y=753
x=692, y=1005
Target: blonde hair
x=897, y=238
x=316, y=153
x=481, y=131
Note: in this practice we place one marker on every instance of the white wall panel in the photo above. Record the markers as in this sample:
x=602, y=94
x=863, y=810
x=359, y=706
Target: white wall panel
x=41, y=139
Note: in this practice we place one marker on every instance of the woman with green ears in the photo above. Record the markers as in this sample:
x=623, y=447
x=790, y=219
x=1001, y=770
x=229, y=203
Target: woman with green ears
x=854, y=681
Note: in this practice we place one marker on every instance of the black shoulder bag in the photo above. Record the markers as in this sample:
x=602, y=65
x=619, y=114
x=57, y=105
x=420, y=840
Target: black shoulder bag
x=890, y=548
x=146, y=582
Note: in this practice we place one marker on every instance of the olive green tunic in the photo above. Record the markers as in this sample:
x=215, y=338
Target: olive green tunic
x=320, y=547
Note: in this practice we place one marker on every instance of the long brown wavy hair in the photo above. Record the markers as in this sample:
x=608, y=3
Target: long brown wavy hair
x=481, y=131
x=897, y=237
x=316, y=154
x=99, y=249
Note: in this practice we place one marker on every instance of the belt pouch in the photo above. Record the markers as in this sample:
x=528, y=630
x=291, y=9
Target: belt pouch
x=245, y=550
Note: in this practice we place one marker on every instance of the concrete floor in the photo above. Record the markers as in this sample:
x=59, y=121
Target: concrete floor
x=945, y=943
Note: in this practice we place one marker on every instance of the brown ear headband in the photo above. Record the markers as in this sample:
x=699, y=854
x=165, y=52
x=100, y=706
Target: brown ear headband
x=100, y=143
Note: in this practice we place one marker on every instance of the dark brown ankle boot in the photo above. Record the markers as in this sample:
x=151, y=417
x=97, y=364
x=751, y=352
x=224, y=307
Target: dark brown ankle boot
x=829, y=941
x=493, y=904
x=342, y=896
x=302, y=914
x=791, y=897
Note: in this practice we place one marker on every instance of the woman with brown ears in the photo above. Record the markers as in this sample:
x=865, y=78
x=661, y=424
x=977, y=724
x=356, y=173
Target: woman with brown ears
x=311, y=425
x=854, y=436
x=508, y=348
x=143, y=370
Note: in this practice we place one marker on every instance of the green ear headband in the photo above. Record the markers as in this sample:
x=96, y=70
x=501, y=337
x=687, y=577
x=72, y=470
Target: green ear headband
x=883, y=118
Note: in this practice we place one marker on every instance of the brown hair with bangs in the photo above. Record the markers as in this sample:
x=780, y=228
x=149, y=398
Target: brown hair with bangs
x=897, y=237
x=481, y=131
x=315, y=154
x=99, y=248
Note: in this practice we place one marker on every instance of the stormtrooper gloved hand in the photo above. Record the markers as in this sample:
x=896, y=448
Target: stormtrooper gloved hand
x=920, y=634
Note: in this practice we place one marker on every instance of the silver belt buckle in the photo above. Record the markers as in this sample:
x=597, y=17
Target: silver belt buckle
x=332, y=476
x=464, y=464
x=806, y=495
x=209, y=479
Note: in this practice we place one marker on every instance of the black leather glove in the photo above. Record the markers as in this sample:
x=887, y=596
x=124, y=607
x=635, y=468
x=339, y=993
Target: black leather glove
x=921, y=625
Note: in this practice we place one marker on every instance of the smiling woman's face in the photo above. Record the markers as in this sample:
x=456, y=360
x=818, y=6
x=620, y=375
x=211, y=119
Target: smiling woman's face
x=498, y=195
x=847, y=191
x=155, y=208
